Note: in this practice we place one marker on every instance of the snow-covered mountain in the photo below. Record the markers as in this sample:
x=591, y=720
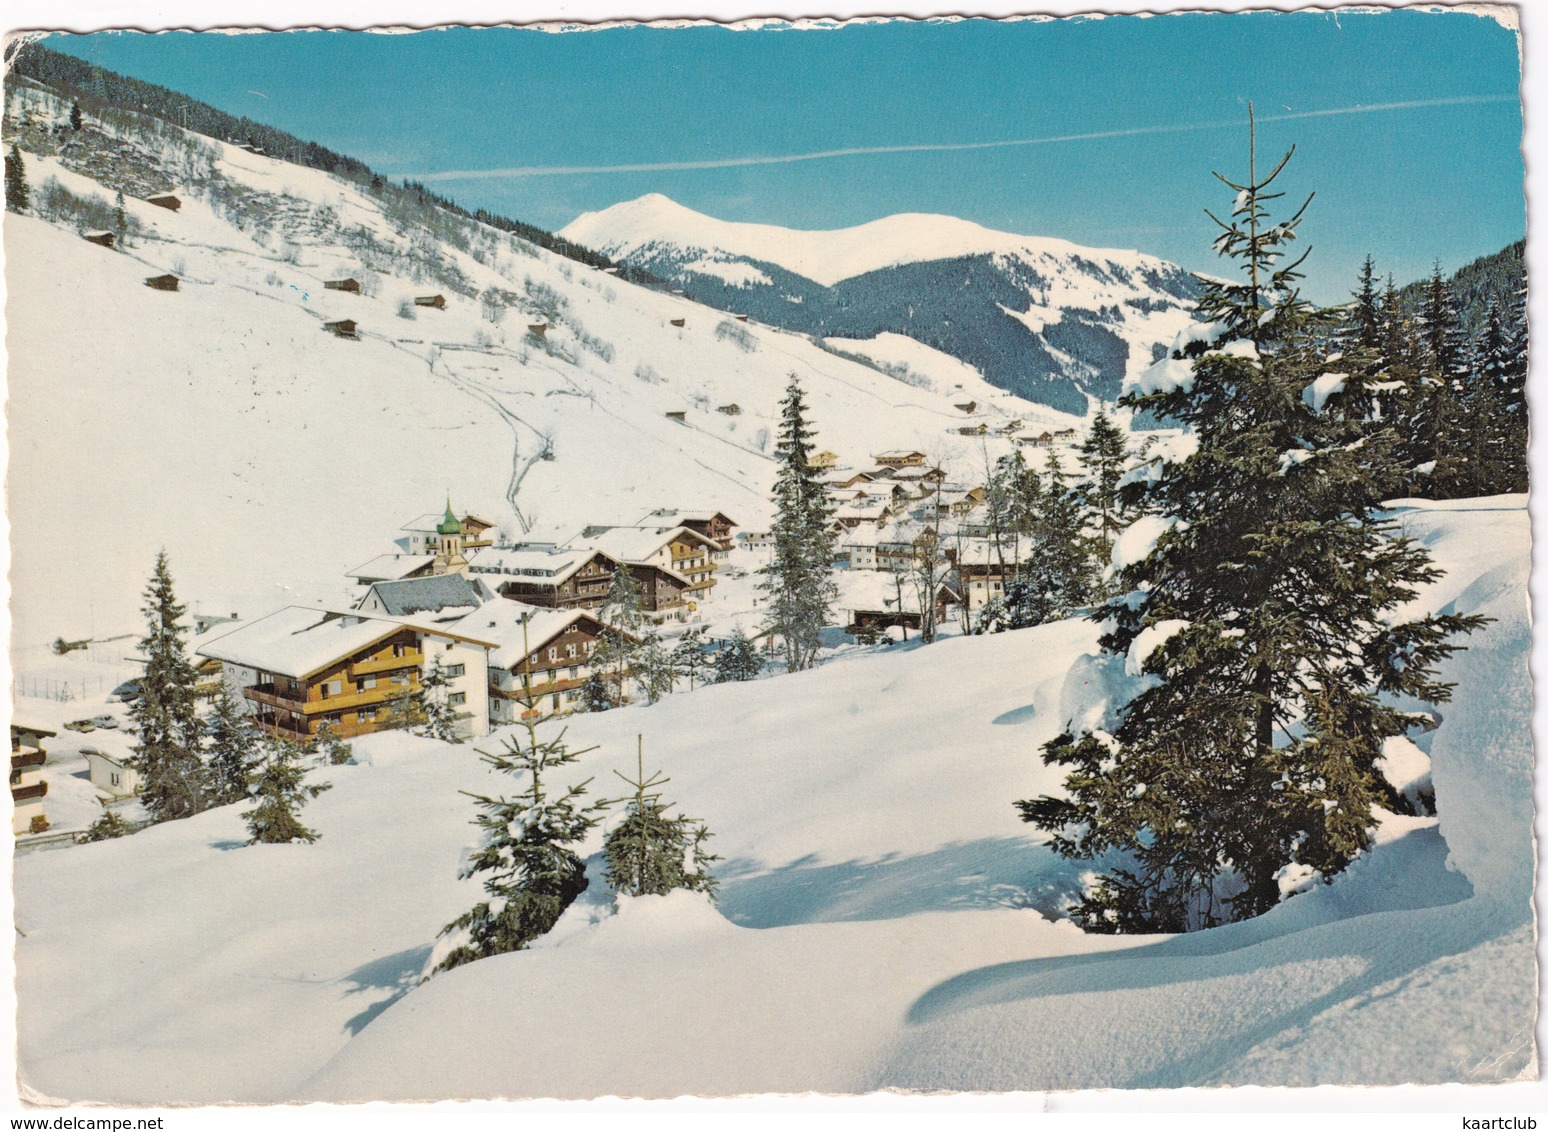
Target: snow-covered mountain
x=1046, y=319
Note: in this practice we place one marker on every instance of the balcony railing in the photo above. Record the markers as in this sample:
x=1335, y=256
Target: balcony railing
x=386, y=664
x=28, y=793
x=382, y=693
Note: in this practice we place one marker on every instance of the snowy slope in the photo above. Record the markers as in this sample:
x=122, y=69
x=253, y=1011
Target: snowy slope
x=879, y=922
x=222, y=423
x=1044, y=318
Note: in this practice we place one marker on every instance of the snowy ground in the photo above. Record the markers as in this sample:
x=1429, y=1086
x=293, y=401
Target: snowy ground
x=881, y=922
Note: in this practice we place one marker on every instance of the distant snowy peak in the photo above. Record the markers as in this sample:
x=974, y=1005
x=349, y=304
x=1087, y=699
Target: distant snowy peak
x=646, y=228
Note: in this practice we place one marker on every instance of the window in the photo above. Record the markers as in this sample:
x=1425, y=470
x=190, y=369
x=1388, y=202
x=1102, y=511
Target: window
x=457, y=699
x=332, y=688
x=365, y=715
x=399, y=649
x=569, y=651
x=553, y=654
x=575, y=672
x=556, y=701
x=454, y=670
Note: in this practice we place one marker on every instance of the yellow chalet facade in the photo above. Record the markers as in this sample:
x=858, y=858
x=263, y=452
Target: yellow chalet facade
x=300, y=668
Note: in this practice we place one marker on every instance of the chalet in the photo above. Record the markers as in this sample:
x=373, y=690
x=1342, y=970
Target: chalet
x=300, y=668
x=343, y=328
x=102, y=239
x=665, y=594
x=685, y=555
x=538, y=330
x=678, y=415
x=874, y=512
x=755, y=540
x=1066, y=435
x=893, y=460
x=850, y=480
x=679, y=322
x=110, y=773
x=392, y=568
x=27, y=786
x=209, y=677
x=858, y=550
x=1041, y=440
x=439, y=597
x=968, y=406
x=740, y=317
x=162, y=282
x=822, y=461
x=541, y=659
x=436, y=301
x=983, y=570
x=166, y=201
x=731, y=410
x=973, y=430
x=546, y=575
x=713, y=525
x=919, y=475
x=352, y=285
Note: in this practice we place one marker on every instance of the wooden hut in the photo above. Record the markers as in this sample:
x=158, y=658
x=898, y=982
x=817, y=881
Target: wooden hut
x=104, y=239
x=538, y=329
x=343, y=328
x=351, y=285
x=162, y=282
x=436, y=301
x=731, y=410
x=679, y=415
x=679, y=322
x=968, y=406
x=166, y=201
x=741, y=318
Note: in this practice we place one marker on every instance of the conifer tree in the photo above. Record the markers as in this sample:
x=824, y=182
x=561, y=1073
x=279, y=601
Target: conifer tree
x=651, y=852
x=654, y=671
x=433, y=702
x=595, y=695
x=232, y=752
x=280, y=790
x=1251, y=754
x=106, y=828
x=167, y=755
x=691, y=657
x=738, y=660
x=623, y=619
x=331, y=749
x=17, y=194
x=531, y=872
x=1102, y=458
x=798, y=581
x=75, y=116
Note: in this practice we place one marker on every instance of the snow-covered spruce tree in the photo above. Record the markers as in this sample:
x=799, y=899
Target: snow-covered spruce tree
x=595, y=695
x=798, y=581
x=331, y=749
x=17, y=194
x=434, y=702
x=623, y=619
x=738, y=660
x=167, y=755
x=106, y=828
x=654, y=669
x=231, y=751
x=651, y=852
x=1102, y=458
x=76, y=120
x=1056, y=576
x=691, y=657
x=1259, y=619
x=279, y=790
x=531, y=872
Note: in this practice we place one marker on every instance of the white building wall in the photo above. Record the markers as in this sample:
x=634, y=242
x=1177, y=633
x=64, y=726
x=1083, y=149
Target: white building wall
x=472, y=684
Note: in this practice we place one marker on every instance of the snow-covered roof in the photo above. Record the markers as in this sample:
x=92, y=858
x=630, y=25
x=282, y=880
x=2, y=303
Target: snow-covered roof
x=669, y=517
x=501, y=623
x=390, y=567
x=876, y=590
x=637, y=544
x=431, y=594
x=550, y=564
x=298, y=640
x=425, y=524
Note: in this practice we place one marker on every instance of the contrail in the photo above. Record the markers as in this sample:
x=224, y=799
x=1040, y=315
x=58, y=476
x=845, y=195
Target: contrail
x=866, y=151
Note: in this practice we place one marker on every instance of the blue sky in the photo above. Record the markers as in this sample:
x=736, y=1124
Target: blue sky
x=1437, y=174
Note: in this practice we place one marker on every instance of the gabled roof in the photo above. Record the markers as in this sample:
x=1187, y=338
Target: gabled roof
x=636, y=544
x=549, y=565
x=671, y=517
x=425, y=524
x=501, y=623
x=299, y=641
x=390, y=567
x=435, y=593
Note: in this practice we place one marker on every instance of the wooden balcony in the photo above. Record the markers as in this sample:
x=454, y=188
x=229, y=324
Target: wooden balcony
x=20, y=794
x=385, y=664
x=539, y=690
x=28, y=756
x=371, y=697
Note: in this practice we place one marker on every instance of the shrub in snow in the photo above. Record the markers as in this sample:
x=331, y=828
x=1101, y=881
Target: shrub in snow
x=737, y=660
x=280, y=791
x=105, y=828
x=331, y=750
x=231, y=750
x=651, y=852
x=1265, y=631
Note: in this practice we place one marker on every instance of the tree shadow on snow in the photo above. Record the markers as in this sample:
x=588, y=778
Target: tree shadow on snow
x=1004, y=872
x=398, y=972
